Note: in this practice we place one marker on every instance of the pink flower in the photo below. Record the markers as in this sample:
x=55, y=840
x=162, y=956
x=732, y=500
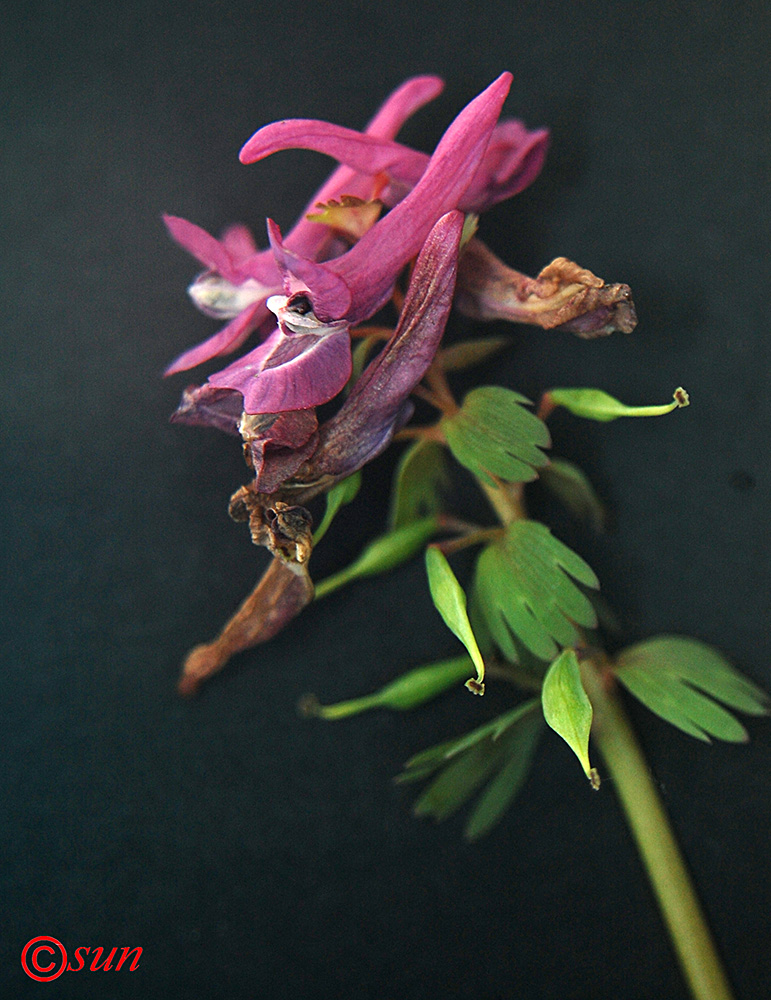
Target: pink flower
x=239, y=279
x=306, y=361
x=356, y=284
x=513, y=159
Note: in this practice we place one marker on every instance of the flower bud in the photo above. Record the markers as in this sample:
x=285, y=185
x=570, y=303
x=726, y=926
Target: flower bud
x=594, y=404
x=384, y=553
x=406, y=692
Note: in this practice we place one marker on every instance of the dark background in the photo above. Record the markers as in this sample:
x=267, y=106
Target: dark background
x=249, y=852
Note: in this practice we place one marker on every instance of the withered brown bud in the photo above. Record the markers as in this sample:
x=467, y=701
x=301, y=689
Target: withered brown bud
x=291, y=531
x=284, y=590
x=284, y=529
x=564, y=296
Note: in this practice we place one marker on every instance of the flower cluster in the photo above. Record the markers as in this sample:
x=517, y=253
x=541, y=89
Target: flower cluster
x=384, y=207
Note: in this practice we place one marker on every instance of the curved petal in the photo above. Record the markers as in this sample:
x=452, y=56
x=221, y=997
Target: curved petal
x=290, y=372
x=205, y=406
x=363, y=153
x=370, y=268
x=365, y=423
x=513, y=160
x=402, y=104
x=331, y=295
x=239, y=243
x=228, y=339
x=202, y=245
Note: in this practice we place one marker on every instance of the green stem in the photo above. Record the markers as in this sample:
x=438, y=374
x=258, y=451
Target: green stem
x=656, y=843
x=334, y=582
x=506, y=500
x=310, y=706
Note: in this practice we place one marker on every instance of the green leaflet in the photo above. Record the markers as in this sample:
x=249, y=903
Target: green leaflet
x=494, y=435
x=499, y=752
x=340, y=494
x=567, y=709
x=470, y=226
x=465, y=353
x=682, y=680
x=598, y=405
x=360, y=355
x=412, y=689
x=450, y=601
x=570, y=484
x=520, y=747
x=419, y=480
x=526, y=592
x=384, y=553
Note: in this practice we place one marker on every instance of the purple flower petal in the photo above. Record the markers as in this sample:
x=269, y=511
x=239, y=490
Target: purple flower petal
x=371, y=267
x=202, y=245
x=330, y=288
x=376, y=405
x=363, y=153
x=228, y=339
x=402, y=104
x=513, y=160
x=302, y=364
x=239, y=243
x=205, y=406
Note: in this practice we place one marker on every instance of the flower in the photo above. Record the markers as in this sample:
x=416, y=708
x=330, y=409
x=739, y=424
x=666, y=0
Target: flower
x=306, y=361
x=377, y=405
x=239, y=279
x=360, y=281
x=335, y=269
x=303, y=363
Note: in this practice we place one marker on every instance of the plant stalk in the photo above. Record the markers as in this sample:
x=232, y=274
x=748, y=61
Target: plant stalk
x=506, y=500
x=660, y=854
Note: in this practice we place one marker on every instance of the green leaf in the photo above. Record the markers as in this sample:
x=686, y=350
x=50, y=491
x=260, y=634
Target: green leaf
x=598, y=405
x=420, y=478
x=465, y=353
x=494, y=435
x=504, y=787
x=500, y=751
x=434, y=757
x=470, y=226
x=526, y=591
x=570, y=484
x=360, y=355
x=342, y=493
x=450, y=601
x=682, y=680
x=458, y=782
x=384, y=553
x=412, y=689
x=567, y=709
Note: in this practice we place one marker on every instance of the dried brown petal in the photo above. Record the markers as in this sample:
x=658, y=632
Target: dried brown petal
x=284, y=590
x=277, y=444
x=564, y=296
